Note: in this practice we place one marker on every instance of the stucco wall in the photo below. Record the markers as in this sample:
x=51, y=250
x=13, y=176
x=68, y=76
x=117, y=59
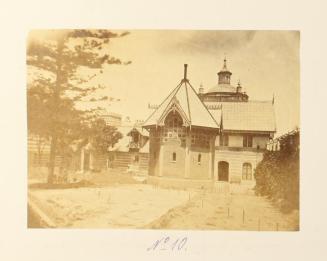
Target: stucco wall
x=172, y=168
x=235, y=160
x=153, y=158
x=199, y=170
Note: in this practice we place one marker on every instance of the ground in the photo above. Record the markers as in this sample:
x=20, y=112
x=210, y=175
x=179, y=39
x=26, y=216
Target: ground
x=127, y=203
x=224, y=211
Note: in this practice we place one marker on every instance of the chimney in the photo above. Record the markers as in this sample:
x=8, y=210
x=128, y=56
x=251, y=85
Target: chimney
x=185, y=71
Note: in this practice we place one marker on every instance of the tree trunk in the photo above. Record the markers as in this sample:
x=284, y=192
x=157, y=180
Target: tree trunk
x=52, y=160
x=56, y=103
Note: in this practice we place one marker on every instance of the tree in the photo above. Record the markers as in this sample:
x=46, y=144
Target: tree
x=102, y=136
x=59, y=59
x=277, y=175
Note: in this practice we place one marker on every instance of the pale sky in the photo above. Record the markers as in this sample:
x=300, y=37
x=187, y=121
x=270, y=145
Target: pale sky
x=266, y=62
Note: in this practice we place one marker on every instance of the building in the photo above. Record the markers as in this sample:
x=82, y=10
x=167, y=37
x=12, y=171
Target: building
x=112, y=119
x=210, y=139
x=131, y=153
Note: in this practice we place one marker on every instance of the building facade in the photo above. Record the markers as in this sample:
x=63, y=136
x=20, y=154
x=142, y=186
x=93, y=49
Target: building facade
x=205, y=139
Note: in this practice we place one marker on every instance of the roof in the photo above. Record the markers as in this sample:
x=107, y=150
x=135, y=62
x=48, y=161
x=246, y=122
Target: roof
x=246, y=116
x=123, y=143
x=191, y=108
x=140, y=130
x=222, y=87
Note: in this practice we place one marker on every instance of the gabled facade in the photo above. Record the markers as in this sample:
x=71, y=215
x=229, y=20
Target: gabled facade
x=209, y=138
x=182, y=136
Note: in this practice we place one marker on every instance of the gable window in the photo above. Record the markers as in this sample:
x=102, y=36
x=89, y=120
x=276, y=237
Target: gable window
x=223, y=140
x=247, y=171
x=199, y=158
x=174, y=157
x=174, y=120
x=247, y=141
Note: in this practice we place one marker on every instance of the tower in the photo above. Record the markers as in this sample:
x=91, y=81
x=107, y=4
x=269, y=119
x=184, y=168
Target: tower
x=224, y=74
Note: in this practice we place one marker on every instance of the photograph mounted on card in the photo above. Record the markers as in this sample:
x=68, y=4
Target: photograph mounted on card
x=163, y=129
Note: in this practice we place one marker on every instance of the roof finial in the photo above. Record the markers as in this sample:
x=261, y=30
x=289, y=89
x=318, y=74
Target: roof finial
x=225, y=62
x=185, y=71
x=239, y=82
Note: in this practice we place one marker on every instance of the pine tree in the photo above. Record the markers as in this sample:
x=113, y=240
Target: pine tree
x=58, y=59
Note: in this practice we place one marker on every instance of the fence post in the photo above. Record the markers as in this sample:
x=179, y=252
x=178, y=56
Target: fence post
x=277, y=226
x=243, y=216
x=228, y=212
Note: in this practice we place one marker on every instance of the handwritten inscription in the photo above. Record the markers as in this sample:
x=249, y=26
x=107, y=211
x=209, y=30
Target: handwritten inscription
x=169, y=244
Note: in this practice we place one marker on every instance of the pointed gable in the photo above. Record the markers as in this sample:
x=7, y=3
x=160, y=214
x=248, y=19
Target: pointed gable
x=185, y=100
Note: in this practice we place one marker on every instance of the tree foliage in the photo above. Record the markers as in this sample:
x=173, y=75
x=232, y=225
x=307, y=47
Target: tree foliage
x=101, y=136
x=60, y=61
x=277, y=175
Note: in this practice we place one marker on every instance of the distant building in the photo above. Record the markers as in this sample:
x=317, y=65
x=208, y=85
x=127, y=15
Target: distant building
x=207, y=139
x=131, y=153
x=112, y=119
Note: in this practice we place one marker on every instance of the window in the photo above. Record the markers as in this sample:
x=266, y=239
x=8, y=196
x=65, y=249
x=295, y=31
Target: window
x=223, y=140
x=173, y=120
x=247, y=141
x=247, y=171
x=200, y=139
x=174, y=157
x=199, y=159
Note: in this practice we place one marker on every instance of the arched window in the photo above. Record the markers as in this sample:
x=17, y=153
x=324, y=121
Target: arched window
x=247, y=171
x=174, y=120
x=199, y=158
x=174, y=157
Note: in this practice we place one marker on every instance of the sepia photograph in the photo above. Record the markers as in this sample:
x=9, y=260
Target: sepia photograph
x=163, y=129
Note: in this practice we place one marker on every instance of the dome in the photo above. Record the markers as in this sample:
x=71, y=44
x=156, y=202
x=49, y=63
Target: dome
x=222, y=87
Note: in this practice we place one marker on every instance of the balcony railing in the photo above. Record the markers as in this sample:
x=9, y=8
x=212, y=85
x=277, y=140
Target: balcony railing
x=228, y=148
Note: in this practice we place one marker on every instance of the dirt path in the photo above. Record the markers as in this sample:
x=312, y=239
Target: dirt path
x=227, y=212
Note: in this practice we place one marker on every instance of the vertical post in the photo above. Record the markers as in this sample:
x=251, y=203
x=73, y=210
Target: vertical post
x=185, y=71
x=243, y=216
x=277, y=226
x=228, y=212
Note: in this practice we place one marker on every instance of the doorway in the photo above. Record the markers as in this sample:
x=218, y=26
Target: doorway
x=223, y=171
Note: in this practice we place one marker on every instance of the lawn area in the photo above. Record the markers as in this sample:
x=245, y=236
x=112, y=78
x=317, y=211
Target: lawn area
x=116, y=206
x=118, y=200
